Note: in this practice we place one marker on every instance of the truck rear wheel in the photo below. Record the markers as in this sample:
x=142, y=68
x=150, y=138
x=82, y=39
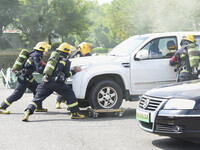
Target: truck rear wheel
x=105, y=94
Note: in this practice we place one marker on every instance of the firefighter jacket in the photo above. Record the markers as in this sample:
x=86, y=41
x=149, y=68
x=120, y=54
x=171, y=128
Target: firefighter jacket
x=62, y=70
x=34, y=62
x=181, y=58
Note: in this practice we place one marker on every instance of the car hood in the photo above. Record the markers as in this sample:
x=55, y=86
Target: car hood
x=189, y=89
x=91, y=60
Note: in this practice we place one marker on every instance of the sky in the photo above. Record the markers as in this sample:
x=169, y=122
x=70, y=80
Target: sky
x=104, y=1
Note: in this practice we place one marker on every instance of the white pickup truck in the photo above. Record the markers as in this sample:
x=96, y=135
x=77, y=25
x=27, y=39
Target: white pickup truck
x=134, y=66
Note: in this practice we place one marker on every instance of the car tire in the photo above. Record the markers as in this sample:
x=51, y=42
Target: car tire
x=105, y=94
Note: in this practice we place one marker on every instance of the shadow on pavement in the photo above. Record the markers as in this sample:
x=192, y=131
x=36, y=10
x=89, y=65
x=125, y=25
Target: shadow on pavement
x=128, y=114
x=173, y=144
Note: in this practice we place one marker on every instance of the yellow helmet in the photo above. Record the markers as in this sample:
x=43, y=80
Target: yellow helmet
x=189, y=37
x=84, y=48
x=65, y=47
x=42, y=46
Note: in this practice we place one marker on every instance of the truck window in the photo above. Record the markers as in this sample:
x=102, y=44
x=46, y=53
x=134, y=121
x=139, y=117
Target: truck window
x=161, y=47
x=127, y=46
x=197, y=41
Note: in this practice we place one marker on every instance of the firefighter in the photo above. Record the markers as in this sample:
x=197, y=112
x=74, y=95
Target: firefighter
x=25, y=79
x=187, y=59
x=83, y=50
x=56, y=82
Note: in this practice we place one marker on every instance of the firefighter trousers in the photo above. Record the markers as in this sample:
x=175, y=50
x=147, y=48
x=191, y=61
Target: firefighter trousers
x=19, y=92
x=47, y=88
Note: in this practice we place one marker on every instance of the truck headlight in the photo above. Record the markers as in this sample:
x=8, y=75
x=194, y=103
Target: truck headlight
x=179, y=104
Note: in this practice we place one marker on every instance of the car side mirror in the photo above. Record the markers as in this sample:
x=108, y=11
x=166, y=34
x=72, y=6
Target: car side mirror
x=142, y=54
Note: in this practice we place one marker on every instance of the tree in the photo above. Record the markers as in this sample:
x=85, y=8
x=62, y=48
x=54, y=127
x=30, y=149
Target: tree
x=36, y=20
x=71, y=17
x=8, y=9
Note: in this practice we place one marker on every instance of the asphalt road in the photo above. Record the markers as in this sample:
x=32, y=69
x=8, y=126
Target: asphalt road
x=55, y=130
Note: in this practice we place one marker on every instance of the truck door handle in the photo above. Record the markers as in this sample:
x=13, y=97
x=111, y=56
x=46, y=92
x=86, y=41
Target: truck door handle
x=126, y=65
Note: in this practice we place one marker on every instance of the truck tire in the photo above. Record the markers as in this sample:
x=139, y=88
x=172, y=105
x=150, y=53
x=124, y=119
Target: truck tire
x=105, y=94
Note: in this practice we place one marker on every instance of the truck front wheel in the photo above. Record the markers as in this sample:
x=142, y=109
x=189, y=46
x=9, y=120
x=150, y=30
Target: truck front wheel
x=105, y=94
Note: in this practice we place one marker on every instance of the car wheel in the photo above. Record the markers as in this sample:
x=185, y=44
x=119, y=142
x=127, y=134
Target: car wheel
x=105, y=94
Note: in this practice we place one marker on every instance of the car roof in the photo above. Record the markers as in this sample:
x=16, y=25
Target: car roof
x=160, y=34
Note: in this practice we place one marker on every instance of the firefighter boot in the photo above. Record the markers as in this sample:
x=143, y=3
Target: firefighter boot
x=41, y=110
x=26, y=115
x=58, y=105
x=76, y=115
x=4, y=111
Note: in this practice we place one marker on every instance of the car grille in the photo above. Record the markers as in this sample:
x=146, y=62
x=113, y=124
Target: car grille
x=164, y=128
x=150, y=103
x=146, y=125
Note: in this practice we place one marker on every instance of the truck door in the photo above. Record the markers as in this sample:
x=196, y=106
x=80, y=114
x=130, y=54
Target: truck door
x=154, y=70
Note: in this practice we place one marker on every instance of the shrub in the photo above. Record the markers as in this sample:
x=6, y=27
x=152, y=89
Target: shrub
x=7, y=58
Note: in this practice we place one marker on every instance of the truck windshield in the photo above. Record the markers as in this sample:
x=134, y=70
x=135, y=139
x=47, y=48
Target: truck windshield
x=127, y=46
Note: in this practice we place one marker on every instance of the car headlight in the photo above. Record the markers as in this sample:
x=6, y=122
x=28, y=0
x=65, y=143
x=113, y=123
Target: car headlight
x=180, y=104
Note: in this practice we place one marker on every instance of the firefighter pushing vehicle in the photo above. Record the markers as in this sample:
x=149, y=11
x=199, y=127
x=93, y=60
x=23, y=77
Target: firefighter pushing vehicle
x=187, y=59
x=24, y=67
x=83, y=50
x=55, y=81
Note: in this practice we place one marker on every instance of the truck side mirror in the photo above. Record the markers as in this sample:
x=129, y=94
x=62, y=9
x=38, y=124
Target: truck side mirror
x=142, y=54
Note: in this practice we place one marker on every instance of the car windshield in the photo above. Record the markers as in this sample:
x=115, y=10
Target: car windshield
x=127, y=46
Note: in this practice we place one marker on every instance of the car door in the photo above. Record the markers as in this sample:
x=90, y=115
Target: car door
x=154, y=70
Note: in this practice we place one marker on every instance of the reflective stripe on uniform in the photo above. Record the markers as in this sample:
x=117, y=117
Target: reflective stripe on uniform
x=184, y=71
x=19, y=63
x=31, y=80
x=7, y=103
x=23, y=56
x=72, y=105
x=29, y=61
x=70, y=73
x=182, y=55
x=51, y=66
x=34, y=104
x=63, y=62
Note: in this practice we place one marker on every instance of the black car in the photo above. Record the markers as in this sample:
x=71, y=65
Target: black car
x=172, y=110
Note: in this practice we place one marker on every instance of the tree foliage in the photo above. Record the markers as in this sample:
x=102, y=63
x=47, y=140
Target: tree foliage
x=8, y=9
x=103, y=25
x=36, y=20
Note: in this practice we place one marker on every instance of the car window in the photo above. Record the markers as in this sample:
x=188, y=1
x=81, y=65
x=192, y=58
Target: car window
x=127, y=46
x=161, y=47
x=197, y=41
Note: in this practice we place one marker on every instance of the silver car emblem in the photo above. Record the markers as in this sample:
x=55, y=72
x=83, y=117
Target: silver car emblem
x=146, y=103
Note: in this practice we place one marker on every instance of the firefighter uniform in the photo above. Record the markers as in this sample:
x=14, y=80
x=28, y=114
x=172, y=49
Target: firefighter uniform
x=56, y=82
x=83, y=51
x=181, y=58
x=25, y=77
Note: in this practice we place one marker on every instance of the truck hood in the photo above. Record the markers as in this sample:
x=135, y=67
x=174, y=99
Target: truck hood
x=81, y=61
x=189, y=89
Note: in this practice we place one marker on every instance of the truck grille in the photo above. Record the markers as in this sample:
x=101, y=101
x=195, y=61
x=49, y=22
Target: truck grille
x=150, y=103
